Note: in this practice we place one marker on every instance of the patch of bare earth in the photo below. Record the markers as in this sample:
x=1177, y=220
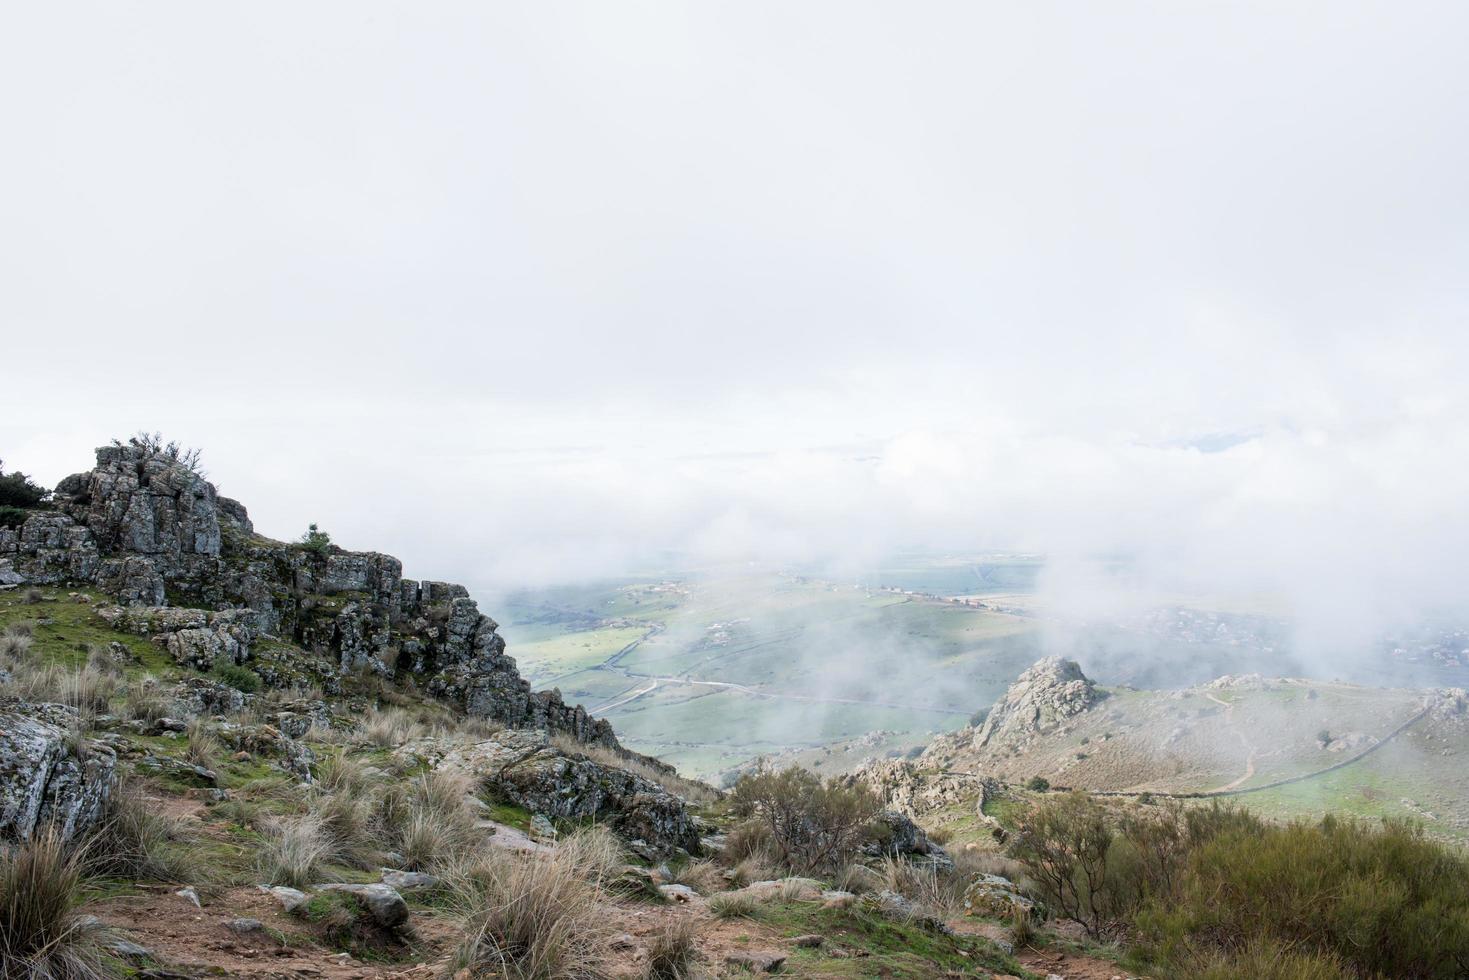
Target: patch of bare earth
x=194, y=940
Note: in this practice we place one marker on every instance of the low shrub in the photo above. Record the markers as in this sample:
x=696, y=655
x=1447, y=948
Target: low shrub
x=316, y=540
x=1216, y=888
x=18, y=490
x=812, y=824
x=242, y=679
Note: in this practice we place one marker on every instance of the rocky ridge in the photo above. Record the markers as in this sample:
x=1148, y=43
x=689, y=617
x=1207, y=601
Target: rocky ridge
x=185, y=568
x=186, y=565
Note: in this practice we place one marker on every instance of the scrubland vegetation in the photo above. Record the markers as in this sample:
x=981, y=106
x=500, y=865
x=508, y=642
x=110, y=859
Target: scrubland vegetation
x=1216, y=891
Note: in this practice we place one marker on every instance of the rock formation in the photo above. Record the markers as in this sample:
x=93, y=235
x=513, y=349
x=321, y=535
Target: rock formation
x=1046, y=694
x=47, y=779
x=186, y=567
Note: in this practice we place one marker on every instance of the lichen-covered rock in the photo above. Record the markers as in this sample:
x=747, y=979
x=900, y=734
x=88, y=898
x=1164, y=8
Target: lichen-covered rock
x=897, y=836
x=43, y=780
x=524, y=768
x=1046, y=694
x=195, y=637
x=133, y=580
x=49, y=548
x=144, y=503
x=202, y=696
x=994, y=897
x=914, y=789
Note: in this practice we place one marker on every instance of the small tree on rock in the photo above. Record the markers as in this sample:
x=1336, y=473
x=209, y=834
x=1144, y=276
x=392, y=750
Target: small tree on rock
x=316, y=540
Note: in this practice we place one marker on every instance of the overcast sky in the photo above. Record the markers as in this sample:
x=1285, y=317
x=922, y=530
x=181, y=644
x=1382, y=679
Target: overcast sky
x=535, y=291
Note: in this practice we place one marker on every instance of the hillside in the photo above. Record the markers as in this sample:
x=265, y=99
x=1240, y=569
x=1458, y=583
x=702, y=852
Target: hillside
x=222, y=754
x=1285, y=747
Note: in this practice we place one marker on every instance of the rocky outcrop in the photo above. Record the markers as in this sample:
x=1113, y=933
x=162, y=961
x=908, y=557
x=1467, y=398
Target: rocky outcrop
x=916, y=789
x=145, y=503
x=1044, y=696
x=48, y=779
x=189, y=570
x=524, y=768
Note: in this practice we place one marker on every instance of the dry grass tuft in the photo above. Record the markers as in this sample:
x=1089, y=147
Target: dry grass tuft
x=137, y=841
x=41, y=935
x=938, y=892
x=15, y=647
x=293, y=850
x=704, y=877
x=673, y=955
x=428, y=818
x=144, y=700
x=387, y=728
x=201, y=746
x=536, y=917
x=734, y=905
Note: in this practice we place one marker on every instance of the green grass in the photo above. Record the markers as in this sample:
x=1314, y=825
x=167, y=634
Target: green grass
x=893, y=949
x=65, y=628
x=509, y=815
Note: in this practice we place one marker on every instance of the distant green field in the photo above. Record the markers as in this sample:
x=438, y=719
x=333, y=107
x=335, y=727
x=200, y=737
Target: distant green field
x=820, y=662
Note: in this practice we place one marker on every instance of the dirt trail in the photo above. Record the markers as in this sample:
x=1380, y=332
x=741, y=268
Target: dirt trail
x=196, y=940
x=1249, y=772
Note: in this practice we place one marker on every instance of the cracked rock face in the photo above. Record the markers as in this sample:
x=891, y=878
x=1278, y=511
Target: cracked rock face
x=1046, y=694
x=43, y=781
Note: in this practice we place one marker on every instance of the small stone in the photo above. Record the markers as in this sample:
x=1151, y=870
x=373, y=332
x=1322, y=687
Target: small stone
x=678, y=893
x=623, y=941
x=243, y=927
x=408, y=880
x=384, y=904
x=809, y=942
x=127, y=948
x=290, y=898
x=541, y=827
x=757, y=962
x=189, y=895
